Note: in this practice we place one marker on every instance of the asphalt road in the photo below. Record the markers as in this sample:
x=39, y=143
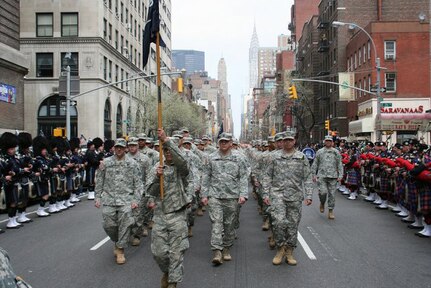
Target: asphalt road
x=362, y=247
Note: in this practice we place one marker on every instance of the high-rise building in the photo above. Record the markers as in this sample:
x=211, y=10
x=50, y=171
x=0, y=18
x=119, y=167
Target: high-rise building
x=191, y=60
x=284, y=42
x=222, y=77
x=253, y=54
x=101, y=41
x=301, y=12
x=13, y=67
x=266, y=61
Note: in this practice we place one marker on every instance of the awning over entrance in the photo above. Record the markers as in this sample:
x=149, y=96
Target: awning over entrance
x=404, y=122
x=361, y=126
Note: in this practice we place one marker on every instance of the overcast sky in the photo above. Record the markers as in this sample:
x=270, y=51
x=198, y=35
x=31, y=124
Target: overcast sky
x=223, y=28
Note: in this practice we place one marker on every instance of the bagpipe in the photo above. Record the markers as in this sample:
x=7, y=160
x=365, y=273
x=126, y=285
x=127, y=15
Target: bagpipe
x=345, y=159
x=419, y=171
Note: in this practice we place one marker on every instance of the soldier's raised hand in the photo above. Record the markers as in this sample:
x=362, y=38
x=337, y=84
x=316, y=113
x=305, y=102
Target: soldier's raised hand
x=266, y=201
x=159, y=171
x=161, y=134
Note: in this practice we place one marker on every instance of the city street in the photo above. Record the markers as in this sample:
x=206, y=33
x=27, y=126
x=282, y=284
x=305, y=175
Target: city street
x=363, y=247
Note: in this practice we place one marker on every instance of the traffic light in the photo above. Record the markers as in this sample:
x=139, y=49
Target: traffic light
x=327, y=127
x=180, y=85
x=292, y=92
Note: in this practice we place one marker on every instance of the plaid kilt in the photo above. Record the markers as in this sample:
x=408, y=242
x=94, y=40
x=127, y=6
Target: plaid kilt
x=400, y=190
x=353, y=177
x=412, y=195
x=385, y=186
x=424, y=197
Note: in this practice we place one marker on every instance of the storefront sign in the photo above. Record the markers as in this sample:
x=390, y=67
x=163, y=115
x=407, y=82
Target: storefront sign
x=402, y=124
x=419, y=109
x=365, y=112
x=7, y=93
x=346, y=79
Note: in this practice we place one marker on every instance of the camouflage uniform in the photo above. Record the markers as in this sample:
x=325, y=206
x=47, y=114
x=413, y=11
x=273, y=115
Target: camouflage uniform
x=224, y=182
x=7, y=276
x=118, y=185
x=142, y=213
x=286, y=180
x=169, y=239
x=328, y=167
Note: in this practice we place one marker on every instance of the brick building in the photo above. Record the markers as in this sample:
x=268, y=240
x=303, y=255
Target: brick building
x=13, y=66
x=300, y=13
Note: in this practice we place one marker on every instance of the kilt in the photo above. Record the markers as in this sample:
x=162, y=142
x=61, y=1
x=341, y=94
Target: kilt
x=11, y=193
x=400, y=190
x=353, y=177
x=412, y=195
x=385, y=186
x=424, y=197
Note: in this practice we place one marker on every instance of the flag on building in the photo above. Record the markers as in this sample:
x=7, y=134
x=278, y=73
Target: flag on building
x=151, y=29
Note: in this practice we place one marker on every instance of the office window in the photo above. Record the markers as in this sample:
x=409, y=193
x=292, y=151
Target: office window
x=105, y=68
x=127, y=15
x=44, y=24
x=69, y=24
x=365, y=53
x=116, y=73
x=116, y=39
x=360, y=57
x=71, y=60
x=369, y=49
x=105, y=29
x=391, y=82
x=356, y=60
x=390, y=50
x=44, y=65
x=122, y=43
x=135, y=28
x=110, y=71
x=122, y=78
x=139, y=32
x=110, y=4
x=121, y=12
x=110, y=34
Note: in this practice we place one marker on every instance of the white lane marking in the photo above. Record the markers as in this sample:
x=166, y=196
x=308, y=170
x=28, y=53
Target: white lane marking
x=100, y=244
x=324, y=245
x=33, y=212
x=306, y=248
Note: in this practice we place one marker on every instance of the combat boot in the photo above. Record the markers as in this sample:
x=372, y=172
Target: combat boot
x=150, y=225
x=116, y=250
x=136, y=241
x=331, y=214
x=289, y=256
x=271, y=242
x=278, y=258
x=120, y=256
x=172, y=285
x=226, y=254
x=199, y=212
x=322, y=207
x=190, y=233
x=265, y=226
x=164, y=282
x=145, y=232
x=217, y=259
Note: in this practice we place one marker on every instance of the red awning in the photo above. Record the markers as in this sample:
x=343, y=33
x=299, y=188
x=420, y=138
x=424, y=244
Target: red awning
x=405, y=116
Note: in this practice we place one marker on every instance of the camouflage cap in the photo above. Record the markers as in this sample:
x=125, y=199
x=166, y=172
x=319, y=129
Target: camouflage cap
x=235, y=141
x=149, y=140
x=198, y=142
x=142, y=136
x=289, y=135
x=265, y=143
x=271, y=139
x=178, y=134
x=120, y=142
x=329, y=138
x=279, y=136
x=133, y=141
x=185, y=130
x=225, y=136
x=175, y=140
x=156, y=143
x=188, y=140
x=205, y=137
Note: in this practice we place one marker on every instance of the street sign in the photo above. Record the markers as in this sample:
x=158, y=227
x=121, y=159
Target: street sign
x=374, y=89
x=386, y=104
x=64, y=102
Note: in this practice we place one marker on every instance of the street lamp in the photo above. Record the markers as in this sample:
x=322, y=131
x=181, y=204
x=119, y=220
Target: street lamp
x=378, y=68
x=67, y=58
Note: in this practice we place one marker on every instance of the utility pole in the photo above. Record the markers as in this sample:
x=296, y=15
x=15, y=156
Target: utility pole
x=68, y=102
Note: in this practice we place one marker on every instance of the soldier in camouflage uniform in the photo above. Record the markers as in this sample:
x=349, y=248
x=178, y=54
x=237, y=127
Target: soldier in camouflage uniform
x=8, y=279
x=287, y=179
x=118, y=190
x=169, y=239
x=224, y=185
x=141, y=213
x=327, y=169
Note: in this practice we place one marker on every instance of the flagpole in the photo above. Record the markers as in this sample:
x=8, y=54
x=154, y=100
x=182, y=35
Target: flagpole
x=159, y=108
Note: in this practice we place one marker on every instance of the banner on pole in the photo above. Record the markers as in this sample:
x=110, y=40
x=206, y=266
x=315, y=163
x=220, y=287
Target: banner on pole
x=346, y=79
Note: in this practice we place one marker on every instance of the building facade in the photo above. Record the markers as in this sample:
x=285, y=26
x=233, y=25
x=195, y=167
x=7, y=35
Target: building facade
x=13, y=67
x=191, y=60
x=101, y=41
x=266, y=62
x=253, y=62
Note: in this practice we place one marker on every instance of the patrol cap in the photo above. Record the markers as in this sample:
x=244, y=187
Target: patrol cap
x=225, y=136
x=120, y=142
x=177, y=134
x=198, y=142
x=175, y=140
x=289, y=135
x=235, y=141
x=271, y=139
x=185, y=130
x=188, y=140
x=133, y=141
x=148, y=140
x=205, y=137
x=329, y=138
x=279, y=136
x=156, y=143
x=142, y=136
x=265, y=143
